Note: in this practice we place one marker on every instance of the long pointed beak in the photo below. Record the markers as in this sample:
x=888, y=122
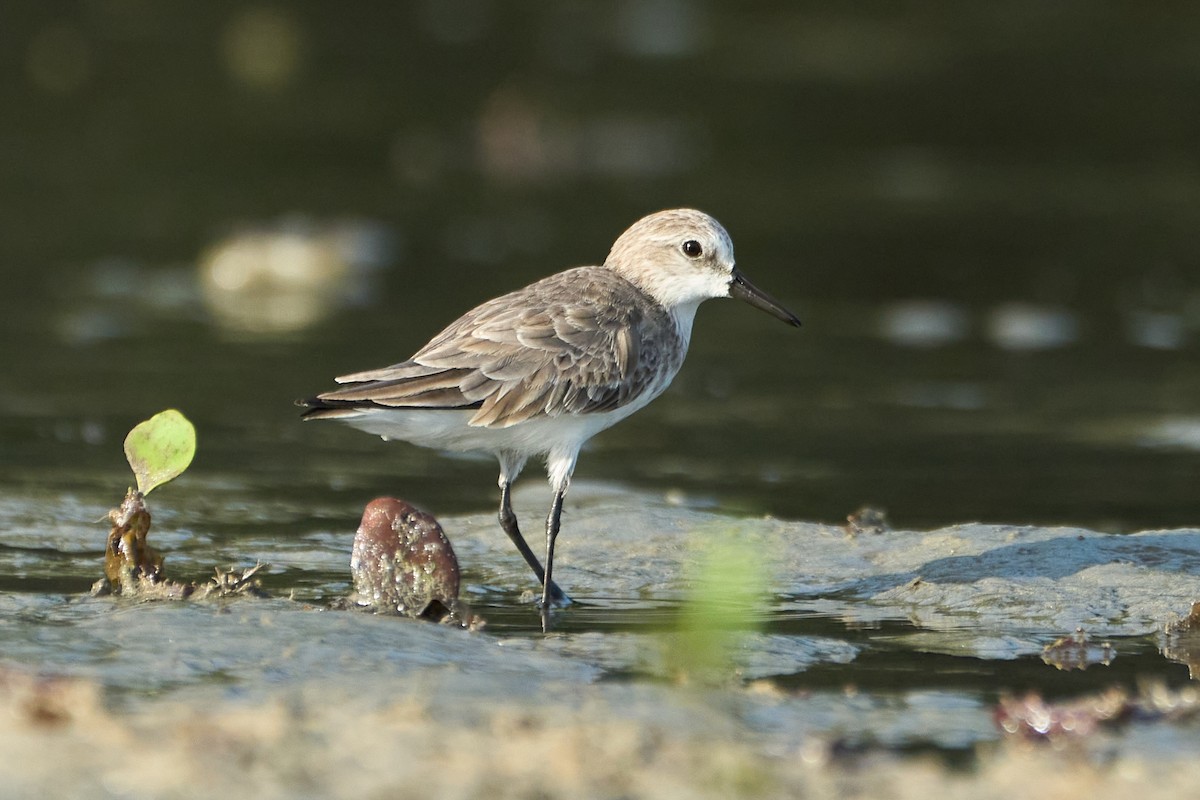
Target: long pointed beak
x=743, y=289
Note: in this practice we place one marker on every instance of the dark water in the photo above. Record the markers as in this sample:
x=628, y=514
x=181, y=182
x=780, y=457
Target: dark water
x=985, y=216
x=967, y=157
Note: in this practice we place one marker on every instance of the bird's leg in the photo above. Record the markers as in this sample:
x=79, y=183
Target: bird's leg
x=552, y=523
x=508, y=521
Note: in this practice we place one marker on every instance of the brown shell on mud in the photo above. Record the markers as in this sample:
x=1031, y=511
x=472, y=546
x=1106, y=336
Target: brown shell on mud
x=403, y=563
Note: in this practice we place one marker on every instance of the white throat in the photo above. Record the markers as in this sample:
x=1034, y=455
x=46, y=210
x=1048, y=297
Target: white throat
x=684, y=314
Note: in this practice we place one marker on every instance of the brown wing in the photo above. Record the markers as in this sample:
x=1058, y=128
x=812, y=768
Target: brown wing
x=562, y=345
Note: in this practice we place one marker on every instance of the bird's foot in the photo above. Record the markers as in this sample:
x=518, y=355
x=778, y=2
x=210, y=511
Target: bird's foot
x=558, y=598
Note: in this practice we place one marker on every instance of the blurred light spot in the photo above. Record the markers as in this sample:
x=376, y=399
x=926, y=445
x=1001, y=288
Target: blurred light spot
x=660, y=27
x=923, y=323
x=1178, y=432
x=159, y=288
x=815, y=752
x=456, y=21
x=513, y=137
x=914, y=175
x=520, y=141
x=87, y=431
x=1020, y=326
x=120, y=297
x=942, y=394
x=290, y=276
x=86, y=326
x=261, y=47
x=1156, y=330
x=59, y=60
x=115, y=278
x=92, y=432
x=719, y=384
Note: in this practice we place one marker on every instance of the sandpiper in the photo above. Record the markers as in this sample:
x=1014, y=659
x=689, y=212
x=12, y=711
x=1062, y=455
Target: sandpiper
x=539, y=371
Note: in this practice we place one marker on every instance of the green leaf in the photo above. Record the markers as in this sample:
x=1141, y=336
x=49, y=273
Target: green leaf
x=160, y=449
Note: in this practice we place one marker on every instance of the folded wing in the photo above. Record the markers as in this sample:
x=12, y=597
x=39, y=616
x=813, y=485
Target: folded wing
x=560, y=346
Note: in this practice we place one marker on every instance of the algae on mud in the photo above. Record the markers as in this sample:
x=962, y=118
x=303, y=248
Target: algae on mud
x=158, y=450
x=132, y=568
x=129, y=561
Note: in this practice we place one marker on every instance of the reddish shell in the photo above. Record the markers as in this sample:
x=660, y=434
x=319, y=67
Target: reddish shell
x=402, y=562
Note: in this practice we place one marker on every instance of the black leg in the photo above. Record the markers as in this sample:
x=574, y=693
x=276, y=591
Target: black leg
x=552, y=523
x=508, y=521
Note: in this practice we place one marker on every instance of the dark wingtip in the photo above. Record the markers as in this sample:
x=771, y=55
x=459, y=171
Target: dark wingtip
x=315, y=407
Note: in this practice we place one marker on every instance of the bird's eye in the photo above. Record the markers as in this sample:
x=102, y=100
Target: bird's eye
x=692, y=249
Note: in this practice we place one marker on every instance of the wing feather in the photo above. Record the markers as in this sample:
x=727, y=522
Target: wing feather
x=582, y=341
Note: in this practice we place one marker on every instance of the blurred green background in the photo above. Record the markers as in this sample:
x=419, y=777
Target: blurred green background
x=985, y=213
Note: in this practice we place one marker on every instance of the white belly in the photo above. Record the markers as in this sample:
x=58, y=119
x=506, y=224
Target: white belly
x=444, y=429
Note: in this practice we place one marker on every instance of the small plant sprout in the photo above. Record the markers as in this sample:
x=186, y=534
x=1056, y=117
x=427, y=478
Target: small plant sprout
x=160, y=449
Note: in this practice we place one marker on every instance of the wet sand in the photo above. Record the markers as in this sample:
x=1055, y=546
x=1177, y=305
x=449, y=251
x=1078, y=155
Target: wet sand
x=873, y=668
x=60, y=739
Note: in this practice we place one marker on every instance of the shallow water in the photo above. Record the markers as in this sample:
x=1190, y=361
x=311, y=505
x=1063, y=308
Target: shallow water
x=996, y=278
x=901, y=639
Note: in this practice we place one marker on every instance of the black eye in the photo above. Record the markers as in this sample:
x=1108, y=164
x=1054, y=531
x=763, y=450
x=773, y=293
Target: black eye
x=692, y=249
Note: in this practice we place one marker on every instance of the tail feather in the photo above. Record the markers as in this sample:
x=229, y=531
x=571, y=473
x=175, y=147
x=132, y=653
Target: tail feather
x=319, y=408
x=330, y=406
